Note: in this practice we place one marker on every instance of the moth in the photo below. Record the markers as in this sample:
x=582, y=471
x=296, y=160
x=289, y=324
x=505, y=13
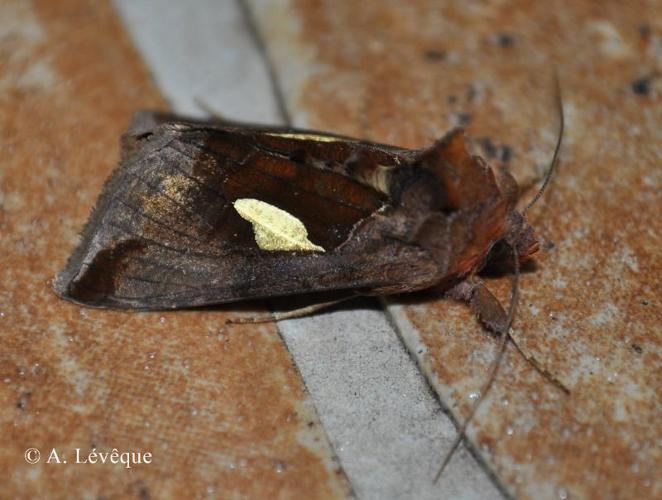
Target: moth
x=201, y=213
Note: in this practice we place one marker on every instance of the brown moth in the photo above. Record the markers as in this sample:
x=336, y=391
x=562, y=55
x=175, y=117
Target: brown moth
x=201, y=213
x=169, y=231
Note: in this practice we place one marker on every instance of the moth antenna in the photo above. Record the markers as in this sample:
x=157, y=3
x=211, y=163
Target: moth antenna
x=260, y=45
x=559, y=140
x=549, y=377
x=207, y=108
x=492, y=372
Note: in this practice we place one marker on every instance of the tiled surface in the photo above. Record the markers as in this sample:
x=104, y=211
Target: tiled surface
x=223, y=411
x=404, y=73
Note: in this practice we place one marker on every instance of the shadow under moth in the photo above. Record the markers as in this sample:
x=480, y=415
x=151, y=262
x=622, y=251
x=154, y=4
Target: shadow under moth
x=202, y=213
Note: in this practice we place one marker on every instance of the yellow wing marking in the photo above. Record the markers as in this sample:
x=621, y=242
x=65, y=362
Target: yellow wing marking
x=275, y=229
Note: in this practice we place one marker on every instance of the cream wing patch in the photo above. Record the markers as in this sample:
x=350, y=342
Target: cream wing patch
x=275, y=229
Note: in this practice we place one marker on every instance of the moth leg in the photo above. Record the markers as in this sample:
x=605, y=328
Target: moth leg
x=492, y=315
x=489, y=311
x=295, y=313
x=483, y=303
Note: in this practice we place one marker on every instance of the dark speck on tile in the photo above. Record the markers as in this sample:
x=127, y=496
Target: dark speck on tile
x=435, y=55
x=642, y=86
x=463, y=119
x=488, y=146
x=22, y=402
x=472, y=92
x=143, y=493
x=506, y=153
x=505, y=40
x=644, y=30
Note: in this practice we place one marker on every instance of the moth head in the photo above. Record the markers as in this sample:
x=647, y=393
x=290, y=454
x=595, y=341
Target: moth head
x=518, y=237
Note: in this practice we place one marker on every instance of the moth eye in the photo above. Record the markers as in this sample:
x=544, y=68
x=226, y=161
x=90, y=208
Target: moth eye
x=499, y=251
x=499, y=260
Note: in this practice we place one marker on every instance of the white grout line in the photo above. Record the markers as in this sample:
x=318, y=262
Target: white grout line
x=202, y=50
x=386, y=427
